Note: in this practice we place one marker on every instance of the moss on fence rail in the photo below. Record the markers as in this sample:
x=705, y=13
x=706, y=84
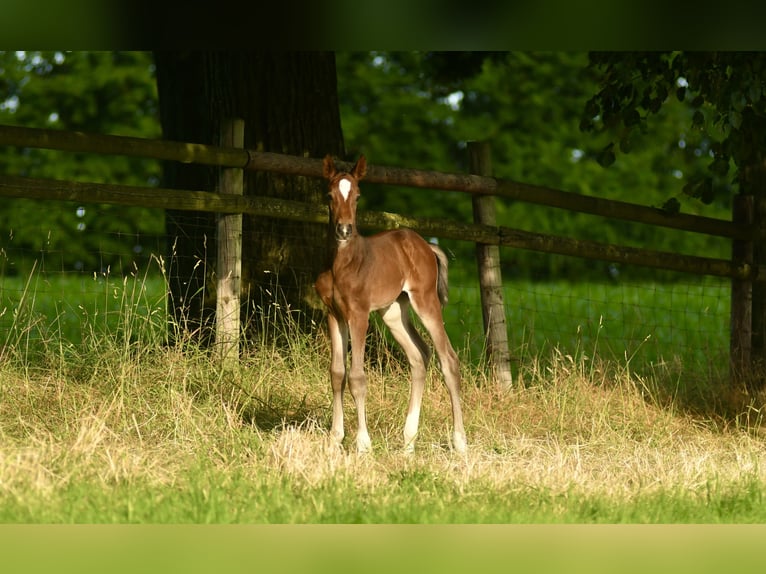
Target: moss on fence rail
x=294, y=165
x=12, y=186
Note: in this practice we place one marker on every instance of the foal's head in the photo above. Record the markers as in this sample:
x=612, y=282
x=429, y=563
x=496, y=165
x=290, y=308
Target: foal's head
x=344, y=191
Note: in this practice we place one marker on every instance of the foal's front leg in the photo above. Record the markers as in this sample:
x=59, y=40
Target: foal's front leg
x=357, y=380
x=339, y=341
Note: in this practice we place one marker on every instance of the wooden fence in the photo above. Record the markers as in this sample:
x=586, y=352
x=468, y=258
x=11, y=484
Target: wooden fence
x=746, y=327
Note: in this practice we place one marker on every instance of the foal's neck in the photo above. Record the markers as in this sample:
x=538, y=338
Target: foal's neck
x=352, y=248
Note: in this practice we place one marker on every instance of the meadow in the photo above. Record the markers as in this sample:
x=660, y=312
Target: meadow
x=103, y=421
x=643, y=324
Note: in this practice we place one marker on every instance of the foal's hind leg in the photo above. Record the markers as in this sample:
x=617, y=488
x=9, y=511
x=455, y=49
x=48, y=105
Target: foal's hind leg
x=397, y=318
x=429, y=310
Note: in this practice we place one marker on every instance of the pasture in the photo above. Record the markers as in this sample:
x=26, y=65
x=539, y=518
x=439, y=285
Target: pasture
x=101, y=422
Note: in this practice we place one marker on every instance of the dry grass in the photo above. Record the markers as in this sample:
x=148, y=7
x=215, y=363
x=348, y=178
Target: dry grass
x=167, y=420
x=570, y=430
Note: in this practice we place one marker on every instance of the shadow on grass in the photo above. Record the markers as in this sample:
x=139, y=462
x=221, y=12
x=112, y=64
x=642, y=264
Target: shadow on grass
x=268, y=417
x=728, y=398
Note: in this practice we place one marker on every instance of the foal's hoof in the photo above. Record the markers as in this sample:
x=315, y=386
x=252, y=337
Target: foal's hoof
x=459, y=444
x=363, y=444
x=336, y=440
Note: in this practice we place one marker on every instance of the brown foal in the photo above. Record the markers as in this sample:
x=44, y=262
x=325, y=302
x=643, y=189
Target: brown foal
x=386, y=273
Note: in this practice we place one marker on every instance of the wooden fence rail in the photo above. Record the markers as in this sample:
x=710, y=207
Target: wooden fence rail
x=191, y=200
x=308, y=167
x=742, y=231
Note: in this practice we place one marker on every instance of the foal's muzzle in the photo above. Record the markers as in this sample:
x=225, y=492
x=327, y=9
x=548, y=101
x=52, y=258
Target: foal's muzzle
x=343, y=231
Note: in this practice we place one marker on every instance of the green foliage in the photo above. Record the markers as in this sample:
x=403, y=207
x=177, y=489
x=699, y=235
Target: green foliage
x=415, y=110
x=721, y=93
x=99, y=92
x=419, y=109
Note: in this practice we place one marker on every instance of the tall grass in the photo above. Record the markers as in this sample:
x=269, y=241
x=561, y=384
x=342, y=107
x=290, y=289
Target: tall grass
x=43, y=315
x=126, y=426
x=646, y=324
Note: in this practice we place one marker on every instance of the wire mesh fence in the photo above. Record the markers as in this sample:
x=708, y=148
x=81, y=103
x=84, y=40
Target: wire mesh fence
x=66, y=286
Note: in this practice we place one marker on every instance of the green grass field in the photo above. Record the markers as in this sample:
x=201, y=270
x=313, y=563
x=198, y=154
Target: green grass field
x=101, y=422
x=644, y=323
x=48, y=312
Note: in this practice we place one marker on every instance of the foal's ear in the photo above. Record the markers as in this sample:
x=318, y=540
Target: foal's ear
x=360, y=168
x=328, y=167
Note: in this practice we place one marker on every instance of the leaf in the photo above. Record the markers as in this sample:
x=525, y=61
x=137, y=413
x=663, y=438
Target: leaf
x=592, y=109
x=671, y=206
x=655, y=104
x=698, y=119
x=681, y=93
x=631, y=117
x=606, y=156
x=586, y=124
x=720, y=165
x=706, y=193
x=738, y=101
x=735, y=119
x=701, y=189
x=625, y=144
x=662, y=93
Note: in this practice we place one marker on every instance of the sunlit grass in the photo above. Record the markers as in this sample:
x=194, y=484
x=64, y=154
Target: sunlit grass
x=45, y=314
x=646, y=323
x=128, y=427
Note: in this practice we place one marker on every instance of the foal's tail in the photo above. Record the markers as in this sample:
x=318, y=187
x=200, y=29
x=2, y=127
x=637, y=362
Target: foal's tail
x=442, y=265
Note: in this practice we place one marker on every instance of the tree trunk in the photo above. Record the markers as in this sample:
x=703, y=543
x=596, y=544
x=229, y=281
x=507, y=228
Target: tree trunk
x=752, y=181
x=289, y=104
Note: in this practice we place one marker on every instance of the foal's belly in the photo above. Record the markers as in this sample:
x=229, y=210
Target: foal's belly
x=383, y=295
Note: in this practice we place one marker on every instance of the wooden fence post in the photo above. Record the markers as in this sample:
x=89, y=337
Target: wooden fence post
x=741, y=327
x=229, y=251
x=490, y=279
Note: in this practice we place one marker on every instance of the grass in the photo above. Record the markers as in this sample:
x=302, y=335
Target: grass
x=646, y=323
x=64, y=309
x=121, y=427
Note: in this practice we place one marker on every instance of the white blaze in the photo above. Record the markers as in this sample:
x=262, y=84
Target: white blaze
x=344, y=186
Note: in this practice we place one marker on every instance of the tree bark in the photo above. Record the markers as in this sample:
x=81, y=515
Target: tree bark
x=752, y=181
x=289, y=104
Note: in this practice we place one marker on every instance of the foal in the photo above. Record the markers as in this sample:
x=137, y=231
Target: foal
x=385, y=273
